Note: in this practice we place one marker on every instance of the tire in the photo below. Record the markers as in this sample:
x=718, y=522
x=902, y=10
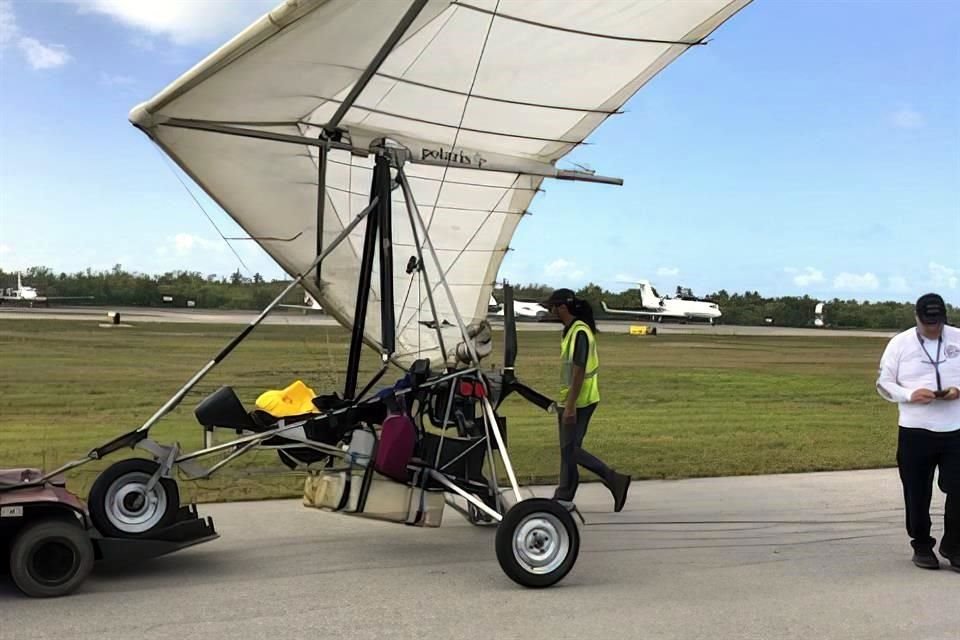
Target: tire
x=113, y=504
x=532, y=523
x=51, y=558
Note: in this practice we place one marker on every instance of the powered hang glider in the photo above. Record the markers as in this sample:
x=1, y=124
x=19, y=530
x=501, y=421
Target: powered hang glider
x=383, y=153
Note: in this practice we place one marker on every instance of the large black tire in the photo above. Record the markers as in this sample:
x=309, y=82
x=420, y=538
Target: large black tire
x=51, y=558
x=116, y=503
x=537, y=543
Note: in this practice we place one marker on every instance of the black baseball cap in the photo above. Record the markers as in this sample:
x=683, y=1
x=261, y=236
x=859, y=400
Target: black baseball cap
x=931, y=309
x=559, y=296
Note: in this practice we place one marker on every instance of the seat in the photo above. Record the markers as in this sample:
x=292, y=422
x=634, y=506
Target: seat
x=223, y=409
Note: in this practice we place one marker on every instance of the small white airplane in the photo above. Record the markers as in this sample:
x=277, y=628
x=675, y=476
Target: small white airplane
x=521, y=310
x=30, y=295
x=685, y=306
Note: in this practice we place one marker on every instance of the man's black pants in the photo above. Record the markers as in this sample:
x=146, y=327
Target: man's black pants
x=919, y=453
x=572, y=454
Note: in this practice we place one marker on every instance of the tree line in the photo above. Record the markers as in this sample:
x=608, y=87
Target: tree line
x=752, y=309
x=120, y=287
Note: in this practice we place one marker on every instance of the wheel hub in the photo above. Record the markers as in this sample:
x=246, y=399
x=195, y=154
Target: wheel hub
x=541, y=543
x=130, y=507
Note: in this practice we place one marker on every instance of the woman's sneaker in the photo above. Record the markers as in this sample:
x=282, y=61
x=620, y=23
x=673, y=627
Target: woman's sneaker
x=926, y=559
x=619, y=487
x=954, y=561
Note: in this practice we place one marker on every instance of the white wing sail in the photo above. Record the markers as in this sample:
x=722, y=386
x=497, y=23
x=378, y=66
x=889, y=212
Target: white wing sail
x=486, y=96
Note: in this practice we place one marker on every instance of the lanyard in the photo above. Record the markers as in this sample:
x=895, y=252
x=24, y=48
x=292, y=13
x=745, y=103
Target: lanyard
x=935, y=363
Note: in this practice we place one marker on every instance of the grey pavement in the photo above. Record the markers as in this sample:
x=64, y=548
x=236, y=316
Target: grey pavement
x=135, y=315
x=820, y=555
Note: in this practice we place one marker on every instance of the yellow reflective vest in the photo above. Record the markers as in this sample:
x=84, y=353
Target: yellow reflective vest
x=590, y=389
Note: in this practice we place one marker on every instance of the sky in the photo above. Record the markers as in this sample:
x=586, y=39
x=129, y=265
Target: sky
x=811, y=148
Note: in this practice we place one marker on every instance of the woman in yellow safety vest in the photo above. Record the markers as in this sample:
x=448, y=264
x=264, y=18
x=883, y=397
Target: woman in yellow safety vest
x=579, y=397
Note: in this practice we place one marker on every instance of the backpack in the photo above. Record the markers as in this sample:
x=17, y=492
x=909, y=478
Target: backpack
x=398, y=439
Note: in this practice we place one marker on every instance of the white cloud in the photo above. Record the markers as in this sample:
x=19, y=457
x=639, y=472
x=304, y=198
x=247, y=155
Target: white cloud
x=943, y=276
x=42, y=56
x=856, y=281
x=184, y=243
x=806, y=277
x=907, y=118
x=667, y=272
x=37, y=54
x=561, y=268
x=183, y=21
x=5, y=249
x=897, y=284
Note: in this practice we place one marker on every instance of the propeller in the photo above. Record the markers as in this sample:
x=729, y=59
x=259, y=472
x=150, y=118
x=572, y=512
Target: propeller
x=509, y=331
x=509, y=382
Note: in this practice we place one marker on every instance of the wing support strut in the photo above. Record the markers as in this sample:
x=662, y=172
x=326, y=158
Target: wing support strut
x=415, y=8
x=379, y=230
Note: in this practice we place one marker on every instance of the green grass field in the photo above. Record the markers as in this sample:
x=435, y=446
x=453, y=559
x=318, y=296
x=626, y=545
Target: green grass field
x=672, y=406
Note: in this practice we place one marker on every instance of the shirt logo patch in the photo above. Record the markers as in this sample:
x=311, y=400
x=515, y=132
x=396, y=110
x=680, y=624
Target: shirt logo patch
x=952, y=351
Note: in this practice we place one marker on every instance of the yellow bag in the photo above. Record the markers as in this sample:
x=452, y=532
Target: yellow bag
x=295, y=400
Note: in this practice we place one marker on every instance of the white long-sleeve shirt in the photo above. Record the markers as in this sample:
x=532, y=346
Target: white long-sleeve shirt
x=906, y=367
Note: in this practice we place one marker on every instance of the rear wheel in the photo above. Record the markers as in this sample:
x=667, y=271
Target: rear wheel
x=537, y=542
x=51, y=558
x=120, y=505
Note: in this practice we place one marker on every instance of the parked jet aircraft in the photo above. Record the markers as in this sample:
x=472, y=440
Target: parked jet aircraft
x=685, y=306
x=30, y=295
x=818, y=320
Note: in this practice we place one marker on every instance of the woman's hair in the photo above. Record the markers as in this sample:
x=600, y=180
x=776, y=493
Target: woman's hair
x=583, y=311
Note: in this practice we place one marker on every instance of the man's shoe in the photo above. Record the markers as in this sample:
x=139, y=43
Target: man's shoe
x=926, y=560
x=954, y=561
x=619, y=488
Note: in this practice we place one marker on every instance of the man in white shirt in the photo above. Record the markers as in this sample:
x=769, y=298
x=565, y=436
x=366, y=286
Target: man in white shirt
x=920, y=371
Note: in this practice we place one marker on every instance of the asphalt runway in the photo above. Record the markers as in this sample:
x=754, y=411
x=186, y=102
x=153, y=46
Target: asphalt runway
x=133, y=315
x=820, y=555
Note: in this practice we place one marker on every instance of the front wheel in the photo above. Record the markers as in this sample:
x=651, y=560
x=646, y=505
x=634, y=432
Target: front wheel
x=537, y=542
x=51, y=558
x=121, y=507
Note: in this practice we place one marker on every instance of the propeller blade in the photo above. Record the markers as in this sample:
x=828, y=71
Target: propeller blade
x=509, y=329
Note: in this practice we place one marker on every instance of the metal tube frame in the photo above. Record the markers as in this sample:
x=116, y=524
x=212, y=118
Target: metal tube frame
x=411, y=205
x=469, y=497
x=321, y=205
x=411, y=209
x=379, y=230
x=526, y=168
x=489, y=415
